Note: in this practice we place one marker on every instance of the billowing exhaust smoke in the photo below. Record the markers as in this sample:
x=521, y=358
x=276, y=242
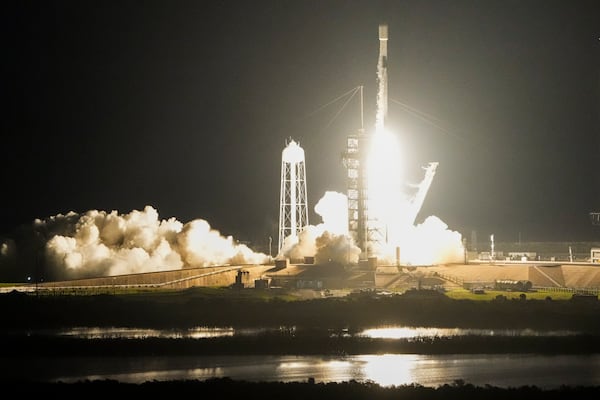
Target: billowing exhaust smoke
x=329, y=241
x=427, y=243
x=100, y=243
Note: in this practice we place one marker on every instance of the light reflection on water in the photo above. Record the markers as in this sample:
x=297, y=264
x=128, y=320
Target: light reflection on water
x=385, y=332
x=510, y=370
x=138, y=333
x=394, y=332
x=141, y=333
x=390, y=369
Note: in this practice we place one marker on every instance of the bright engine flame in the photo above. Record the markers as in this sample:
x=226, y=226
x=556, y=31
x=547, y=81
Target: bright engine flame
x=387, y=203
x=392, y=211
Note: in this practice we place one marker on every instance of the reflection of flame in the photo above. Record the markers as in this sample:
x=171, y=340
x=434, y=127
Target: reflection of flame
x=389, y=369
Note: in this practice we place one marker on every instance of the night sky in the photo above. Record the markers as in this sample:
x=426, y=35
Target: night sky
x=186, y=106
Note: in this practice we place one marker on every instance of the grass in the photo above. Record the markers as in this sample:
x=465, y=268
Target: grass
x=464, y=294
x=184, y=295
x=214, y=293
x=4, y=284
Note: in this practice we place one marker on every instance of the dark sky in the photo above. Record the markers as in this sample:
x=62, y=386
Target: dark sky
x=186, y=106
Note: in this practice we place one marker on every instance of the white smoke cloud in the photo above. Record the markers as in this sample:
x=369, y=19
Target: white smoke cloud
x=333, y=209
x=427, y=243
x=100, y=243
x=327, y=241
x=304, y=245
x=332, y=247
x=7, y=248
x=202, y=246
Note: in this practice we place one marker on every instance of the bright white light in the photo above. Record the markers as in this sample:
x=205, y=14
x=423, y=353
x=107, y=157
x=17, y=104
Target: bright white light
x=392, y=210
x=333, y=208
x=387, y=203
x=389, y=369
x=293, y=153
x=384, y=171
x=328, y=241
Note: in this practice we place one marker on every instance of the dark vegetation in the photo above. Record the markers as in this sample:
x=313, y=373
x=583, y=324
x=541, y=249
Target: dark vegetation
x=288, y=343
x=226, y=388
x=318, y=326
x=193, y=308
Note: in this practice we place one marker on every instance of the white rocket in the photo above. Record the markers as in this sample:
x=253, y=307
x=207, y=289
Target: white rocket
x=382, y=91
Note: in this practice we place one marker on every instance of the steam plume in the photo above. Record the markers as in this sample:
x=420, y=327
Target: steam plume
x=328, y=241
x=100, y=243
x=427, y=243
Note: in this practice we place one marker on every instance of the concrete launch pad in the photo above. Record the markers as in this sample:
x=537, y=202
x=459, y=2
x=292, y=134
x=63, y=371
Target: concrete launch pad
x=559, y=276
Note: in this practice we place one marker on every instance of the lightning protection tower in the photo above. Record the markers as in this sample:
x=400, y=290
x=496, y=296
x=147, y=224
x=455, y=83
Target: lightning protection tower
x=293, y=207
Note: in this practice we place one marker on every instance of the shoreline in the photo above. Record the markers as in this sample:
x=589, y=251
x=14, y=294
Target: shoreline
x=297, y=343
x=230, y=388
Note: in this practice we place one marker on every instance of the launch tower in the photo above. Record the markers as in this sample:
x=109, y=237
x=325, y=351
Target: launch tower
x=293, y=206
x=355, y=162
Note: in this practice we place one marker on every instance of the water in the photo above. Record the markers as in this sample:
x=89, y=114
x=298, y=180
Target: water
x=502, y=370
x=384, y=332
x=395, y=332
x=510, y=370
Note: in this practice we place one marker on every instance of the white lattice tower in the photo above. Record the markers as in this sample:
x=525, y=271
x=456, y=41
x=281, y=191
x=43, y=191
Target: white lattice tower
x=293, y=206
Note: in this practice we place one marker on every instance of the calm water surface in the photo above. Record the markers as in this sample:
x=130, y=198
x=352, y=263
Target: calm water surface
x=503, y=370
x=386, y=332
x=387, y=369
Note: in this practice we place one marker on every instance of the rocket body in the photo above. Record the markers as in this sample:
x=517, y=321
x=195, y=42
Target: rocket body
x=383, y=38
x=382, y=90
